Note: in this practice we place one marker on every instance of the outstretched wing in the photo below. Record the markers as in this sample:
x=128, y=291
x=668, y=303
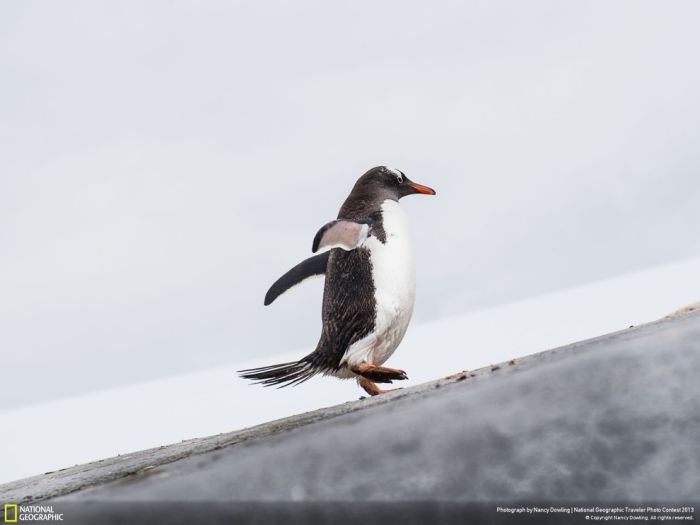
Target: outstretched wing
x=342, y=233
x=311, y=267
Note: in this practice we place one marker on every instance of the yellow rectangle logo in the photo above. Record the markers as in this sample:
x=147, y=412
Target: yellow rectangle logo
x=10, y=517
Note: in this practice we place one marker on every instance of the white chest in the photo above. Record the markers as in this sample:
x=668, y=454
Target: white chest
x=394, y=276
x=393, y=268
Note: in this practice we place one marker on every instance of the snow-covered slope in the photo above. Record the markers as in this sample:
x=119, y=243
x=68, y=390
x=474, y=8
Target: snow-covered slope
x=69, y=431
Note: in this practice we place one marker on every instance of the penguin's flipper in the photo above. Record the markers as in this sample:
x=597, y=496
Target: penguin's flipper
x=342, y=233
x=311, y=267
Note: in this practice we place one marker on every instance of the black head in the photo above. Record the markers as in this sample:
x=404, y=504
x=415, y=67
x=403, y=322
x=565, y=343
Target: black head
x=389, y=183
x=376, y=186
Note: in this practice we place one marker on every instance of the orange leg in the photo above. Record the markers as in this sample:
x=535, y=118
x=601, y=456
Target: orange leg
x=371, y=388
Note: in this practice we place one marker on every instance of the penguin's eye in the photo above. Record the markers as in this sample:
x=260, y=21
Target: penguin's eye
x=396, y=173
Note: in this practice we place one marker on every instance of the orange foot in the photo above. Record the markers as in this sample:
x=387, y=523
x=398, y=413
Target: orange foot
x=379, y=374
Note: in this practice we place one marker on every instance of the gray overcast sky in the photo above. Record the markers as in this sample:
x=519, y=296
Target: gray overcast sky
x=162, y=163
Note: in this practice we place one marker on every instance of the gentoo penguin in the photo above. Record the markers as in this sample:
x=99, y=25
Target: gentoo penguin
x=369, y=290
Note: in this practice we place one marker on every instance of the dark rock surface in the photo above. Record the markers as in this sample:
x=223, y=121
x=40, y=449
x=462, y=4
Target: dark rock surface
x=616, y=418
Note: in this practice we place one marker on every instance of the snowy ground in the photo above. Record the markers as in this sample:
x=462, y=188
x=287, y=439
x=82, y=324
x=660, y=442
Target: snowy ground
x=69, y=431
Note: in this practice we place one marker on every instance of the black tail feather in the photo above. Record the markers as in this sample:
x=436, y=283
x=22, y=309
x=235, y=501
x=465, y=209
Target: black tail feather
x=285, y=374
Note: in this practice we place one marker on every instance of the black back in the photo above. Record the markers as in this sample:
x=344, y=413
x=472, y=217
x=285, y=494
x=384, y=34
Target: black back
x=349, y=308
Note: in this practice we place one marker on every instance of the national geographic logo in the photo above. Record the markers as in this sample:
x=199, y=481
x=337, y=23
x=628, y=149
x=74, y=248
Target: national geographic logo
x=10, y=513
x=13, y=513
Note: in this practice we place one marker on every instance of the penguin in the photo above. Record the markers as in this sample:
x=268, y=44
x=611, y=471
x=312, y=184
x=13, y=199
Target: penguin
x=369, y=292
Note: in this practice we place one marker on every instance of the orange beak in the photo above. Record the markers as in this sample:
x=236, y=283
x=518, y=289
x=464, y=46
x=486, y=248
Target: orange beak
x=419, y=188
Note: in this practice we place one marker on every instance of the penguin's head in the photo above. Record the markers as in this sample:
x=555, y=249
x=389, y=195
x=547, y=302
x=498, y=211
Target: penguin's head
x=390, y=183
